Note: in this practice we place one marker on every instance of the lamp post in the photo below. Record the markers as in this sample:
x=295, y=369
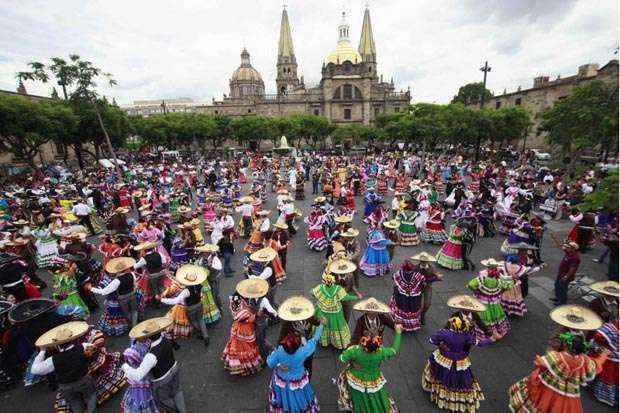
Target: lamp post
x=485, y=69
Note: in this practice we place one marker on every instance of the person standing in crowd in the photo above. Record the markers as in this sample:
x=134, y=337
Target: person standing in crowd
x=566, y=272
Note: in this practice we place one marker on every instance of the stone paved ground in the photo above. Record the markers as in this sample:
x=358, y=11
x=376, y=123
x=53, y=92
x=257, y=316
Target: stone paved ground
x=209, y=388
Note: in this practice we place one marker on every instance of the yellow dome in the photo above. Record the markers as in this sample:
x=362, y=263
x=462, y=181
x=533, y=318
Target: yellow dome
x=248, y=74
x=344, y=51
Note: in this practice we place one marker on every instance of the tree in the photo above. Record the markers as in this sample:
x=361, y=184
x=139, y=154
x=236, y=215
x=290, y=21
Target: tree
x=313, y=129
x=509, y=124
x=471, y=93
x=223, y=125
x=77, y=78
x=26, y=125
x=587, y=118
x=605, y=196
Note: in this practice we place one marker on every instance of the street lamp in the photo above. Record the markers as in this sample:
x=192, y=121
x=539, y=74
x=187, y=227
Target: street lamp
x=485, y=69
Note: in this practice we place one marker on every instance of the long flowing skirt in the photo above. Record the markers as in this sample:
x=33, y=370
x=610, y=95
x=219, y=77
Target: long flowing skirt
x=350, y=399
x=46, y=253
x=451, y=256
x=139, y=399
x=180, y=326
x=295, y=396
x=408, y=235
x=495, y=319
x=451, y=389
x=337, y=332
x=434, y=233
x=112, y=321
x=407, y=311
x=211, y=313
x=316, y=240
x=512, y=301
x=375, y=262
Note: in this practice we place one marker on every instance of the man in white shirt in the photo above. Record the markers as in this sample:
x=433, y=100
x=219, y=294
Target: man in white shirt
x=82, y=211
x=247, y=210
x=288, y=210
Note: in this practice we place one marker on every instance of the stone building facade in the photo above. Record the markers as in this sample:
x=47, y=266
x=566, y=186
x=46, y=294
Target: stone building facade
x=350, y=90
x=544, y=93
x=151, y=107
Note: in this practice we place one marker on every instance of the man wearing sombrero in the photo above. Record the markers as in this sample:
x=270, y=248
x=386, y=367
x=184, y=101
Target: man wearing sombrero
x=123, y=285
x=566, y=272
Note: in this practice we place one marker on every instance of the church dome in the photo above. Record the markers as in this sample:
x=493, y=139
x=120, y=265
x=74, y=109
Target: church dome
x=246, y=81
x=344, y=50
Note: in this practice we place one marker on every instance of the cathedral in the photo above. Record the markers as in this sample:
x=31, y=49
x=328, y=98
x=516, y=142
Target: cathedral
x=350, y=90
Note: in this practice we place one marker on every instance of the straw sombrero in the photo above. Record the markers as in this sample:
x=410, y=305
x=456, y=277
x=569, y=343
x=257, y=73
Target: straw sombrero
x=343, y=219
x=264, y=255
x=246, y=199
x=282, y=191
x=280, y=225
x=149, y=327
x=137, y=194
x=296, y=308
x=606, y=287
x=20, y=222
x=393, y=224
x=207, y=248
x=424, y=256
x=491, y=262
x=122, y=210
x=342, y=267
x=524, y=246
x=466, y=302
x=576, y=317
x=372, y=305
x=263, y=212
x=350, y=233
x=319, y=199
x=62, y=334
x=144, y=207
x=252, y=288
x=184, y=209
x=120, y=264
x=145, y=246
x=190, y=274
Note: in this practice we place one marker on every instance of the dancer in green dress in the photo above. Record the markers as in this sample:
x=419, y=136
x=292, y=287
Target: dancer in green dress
x=329, y=297
x=362, y=384
x=407, y=231
x=66, y=291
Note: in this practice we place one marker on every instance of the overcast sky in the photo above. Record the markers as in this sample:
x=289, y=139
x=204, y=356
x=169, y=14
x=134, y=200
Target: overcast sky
x=189, y=48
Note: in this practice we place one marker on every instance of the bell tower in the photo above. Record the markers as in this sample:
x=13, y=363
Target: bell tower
x=287, y=64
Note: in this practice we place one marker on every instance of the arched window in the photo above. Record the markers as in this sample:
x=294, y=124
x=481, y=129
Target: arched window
x=347, y=92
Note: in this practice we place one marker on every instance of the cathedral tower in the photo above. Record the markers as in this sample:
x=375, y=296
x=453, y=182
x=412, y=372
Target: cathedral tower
x=367, y=44
x=287, y=64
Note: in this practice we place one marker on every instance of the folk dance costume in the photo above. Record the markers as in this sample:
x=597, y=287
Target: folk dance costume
x=123, y=287
x=555, y=384
x=210, y=287
x=376, y=259
x=112, y=321
x=241, y=356
x=605, y=385
x=329, y=297
x=512, y=298
x=371, y=200
x=373, y=321
x=187, y=312
x=103, y=367
x=447, y=375
x=138, y=397
x=488, y=287
x=153, y=262
x=451, y=253
x=406, y=301
x=65, y=284
x=316, y=240
x=362, y=384
x=434, y=231
x=407, y=232
x=158, y=366
x=290, y=390
x=46, y=247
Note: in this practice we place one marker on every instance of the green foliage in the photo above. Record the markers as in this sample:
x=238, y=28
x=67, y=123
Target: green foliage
x=25, y=125
x=471, y=93
x=588, y=117
x=605, y=196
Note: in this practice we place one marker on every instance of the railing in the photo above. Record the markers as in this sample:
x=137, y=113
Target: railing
x=398, y=95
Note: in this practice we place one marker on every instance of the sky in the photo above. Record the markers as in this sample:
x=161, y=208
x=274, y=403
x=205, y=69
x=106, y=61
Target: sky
x=188, y=48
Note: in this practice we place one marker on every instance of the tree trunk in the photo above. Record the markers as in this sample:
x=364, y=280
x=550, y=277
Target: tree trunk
x=77, y=147
x=109, y=143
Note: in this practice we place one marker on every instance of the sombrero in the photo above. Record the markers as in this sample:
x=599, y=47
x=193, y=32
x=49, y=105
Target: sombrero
x=20, y=222
x=491, y=262
x=122, y=210
x=263, y=212
x=5, y=306
x=29, y=309
x=184, y=209
x=246, y=199
x=342, y=267
x=280, y=225
x=606, y=287
x=393, y=224
x=19, y=241
x=62, y=334
x=120, y=264
x=149, y=327
x=145, y=246
x=282, y=191
x=576, y=317
x=571, y=244
x=144, y=207
x=207, y=248
x=350, y=233
x=264, y=255
x=372, y=305
x=343, y=219
x=424, y=256
x=525, y=246
x=137, y=194
x=190, y=274
x=319, y=199
x=296, y=308
x=252, y=288
x=466, y=302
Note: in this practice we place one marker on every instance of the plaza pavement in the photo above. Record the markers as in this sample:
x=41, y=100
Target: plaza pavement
x=209, y=388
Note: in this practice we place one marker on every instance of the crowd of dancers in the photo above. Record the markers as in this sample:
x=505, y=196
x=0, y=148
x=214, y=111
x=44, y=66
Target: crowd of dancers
x=86, y=256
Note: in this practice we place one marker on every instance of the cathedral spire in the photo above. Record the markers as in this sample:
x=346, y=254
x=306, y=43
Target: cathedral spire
x=367, y=41
x=285, y=45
